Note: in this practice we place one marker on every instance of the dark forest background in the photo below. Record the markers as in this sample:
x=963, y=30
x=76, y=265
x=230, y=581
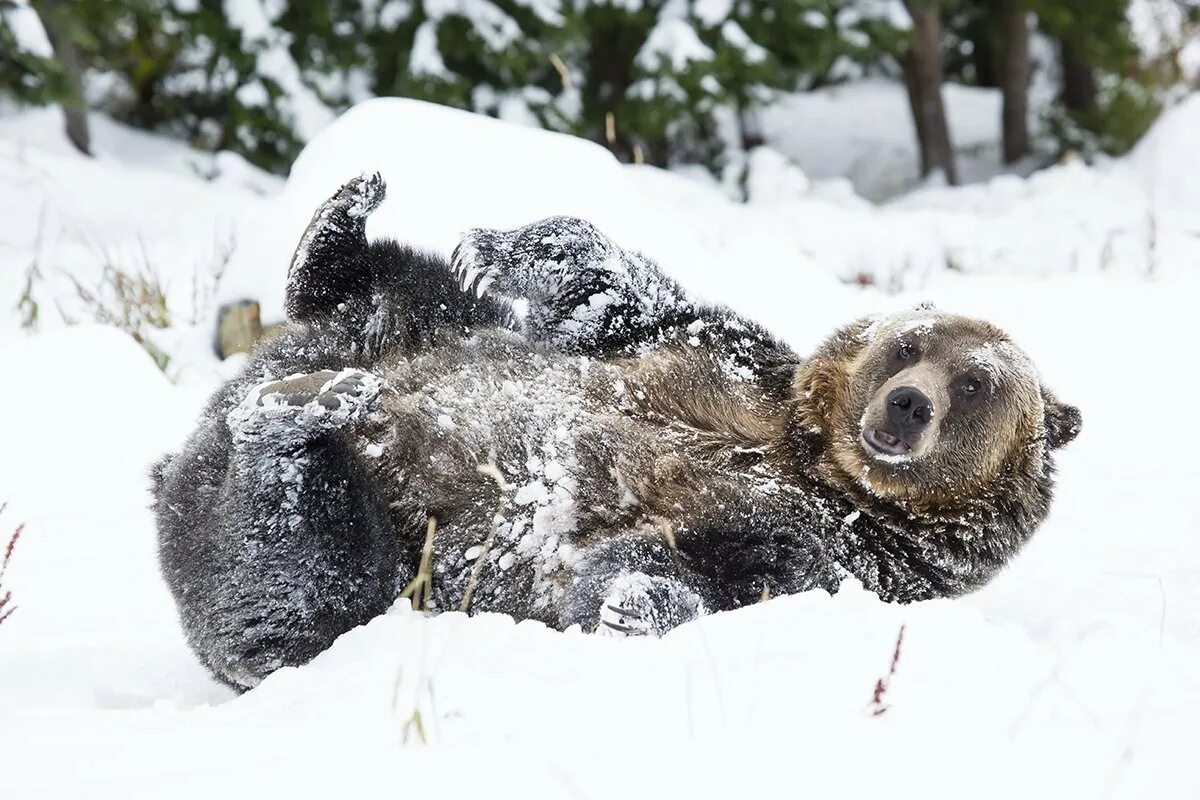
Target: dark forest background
x=660, y=81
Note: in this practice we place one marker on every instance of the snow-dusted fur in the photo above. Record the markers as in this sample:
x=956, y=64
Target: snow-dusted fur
x=624, y=457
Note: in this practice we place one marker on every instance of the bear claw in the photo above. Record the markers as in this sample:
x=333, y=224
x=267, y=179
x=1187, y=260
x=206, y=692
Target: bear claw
x=640, y=605
x=475, y=260
x=618, y=620
x=621, y=628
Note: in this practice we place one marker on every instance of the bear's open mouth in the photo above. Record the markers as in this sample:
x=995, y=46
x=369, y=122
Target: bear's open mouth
x=885, y=442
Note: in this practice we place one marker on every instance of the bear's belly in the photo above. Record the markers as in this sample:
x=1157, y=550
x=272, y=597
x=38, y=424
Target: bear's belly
x=520, y=455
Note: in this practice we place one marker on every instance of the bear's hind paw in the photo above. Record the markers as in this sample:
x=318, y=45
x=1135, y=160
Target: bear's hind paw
x=303, y=405
x=618, y=622
x=640, y=605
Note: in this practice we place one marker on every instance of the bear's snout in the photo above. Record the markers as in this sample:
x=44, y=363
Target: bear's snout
x=909, y=410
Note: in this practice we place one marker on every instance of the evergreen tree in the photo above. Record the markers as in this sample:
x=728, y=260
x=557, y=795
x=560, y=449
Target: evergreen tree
x=30, y=73
x=665, y=81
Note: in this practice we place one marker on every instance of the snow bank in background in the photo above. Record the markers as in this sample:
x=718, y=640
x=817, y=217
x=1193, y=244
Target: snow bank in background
x=840, y=132
x=40, y=130
x=1167, y=159
x=1072, y=675
x=448, y=171
x=772, y=178
x=1134, y=217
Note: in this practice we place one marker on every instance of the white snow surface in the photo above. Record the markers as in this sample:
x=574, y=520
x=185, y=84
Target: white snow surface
x=1073, y=675
x=839, y=131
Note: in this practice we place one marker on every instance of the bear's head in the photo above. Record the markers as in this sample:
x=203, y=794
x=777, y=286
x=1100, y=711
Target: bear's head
x=929, y=408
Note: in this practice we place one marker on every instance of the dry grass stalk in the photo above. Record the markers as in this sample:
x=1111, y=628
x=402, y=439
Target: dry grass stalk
x=492, y=471
x=6, y=606
x=878, y=707
x=420, y=588
x=134, y=303
x=563, y=73
x=415, y=724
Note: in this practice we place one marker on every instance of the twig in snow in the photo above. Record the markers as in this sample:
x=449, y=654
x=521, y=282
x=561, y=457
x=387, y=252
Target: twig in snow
x=878, y=707
x=6, y=607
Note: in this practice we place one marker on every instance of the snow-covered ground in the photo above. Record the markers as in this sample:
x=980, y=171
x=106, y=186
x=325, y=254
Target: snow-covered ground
x=1073, y=675
x=836, y=132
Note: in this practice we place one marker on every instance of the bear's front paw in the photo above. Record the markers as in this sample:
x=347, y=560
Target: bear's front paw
x=540, y=260
x=477, y=260
x=639, y=605
x=302, y=405
x=359, y=196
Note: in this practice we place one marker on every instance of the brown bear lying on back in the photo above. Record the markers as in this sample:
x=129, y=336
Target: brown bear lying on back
x=621, y=456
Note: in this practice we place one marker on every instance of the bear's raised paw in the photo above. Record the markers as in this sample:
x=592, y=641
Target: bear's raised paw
x=540, y=260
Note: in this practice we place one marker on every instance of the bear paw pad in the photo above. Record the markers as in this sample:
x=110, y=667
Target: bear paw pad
x=305, y=404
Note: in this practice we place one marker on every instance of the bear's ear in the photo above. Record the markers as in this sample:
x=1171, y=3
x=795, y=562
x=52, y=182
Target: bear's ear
x=1063, y=421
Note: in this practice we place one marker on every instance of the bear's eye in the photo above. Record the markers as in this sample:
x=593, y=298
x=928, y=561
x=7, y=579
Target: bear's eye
x=906, y=352
x=969, y=387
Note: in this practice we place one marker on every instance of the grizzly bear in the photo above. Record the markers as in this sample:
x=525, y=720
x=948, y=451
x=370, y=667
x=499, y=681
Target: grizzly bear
x=619, y=456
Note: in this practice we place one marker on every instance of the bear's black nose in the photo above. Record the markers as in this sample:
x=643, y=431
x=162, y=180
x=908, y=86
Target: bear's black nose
x=909, y=410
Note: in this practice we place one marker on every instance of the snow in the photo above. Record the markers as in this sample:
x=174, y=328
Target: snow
x=1160, y=26
x=772, y=178
x=489, y=21
x=1072, y=675
x=27, y=30
x=425, y=58
x=733, y=34
x=253, y=21
x=880, y=160
x=711, y=12
x=1166, y=160
x=672, y=41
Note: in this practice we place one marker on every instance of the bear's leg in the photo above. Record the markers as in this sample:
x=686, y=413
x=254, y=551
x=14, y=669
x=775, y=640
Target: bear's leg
x=586, y=295
x=331, y=265
x=377, y=296
x=632, y=586
x=302, y=547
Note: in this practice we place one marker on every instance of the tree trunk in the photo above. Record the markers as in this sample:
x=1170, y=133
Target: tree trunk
x=1014, y=78
x=923, y=78
x=614, y=42
x=52, y=14
x=749, y=128
x=1078, y=79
